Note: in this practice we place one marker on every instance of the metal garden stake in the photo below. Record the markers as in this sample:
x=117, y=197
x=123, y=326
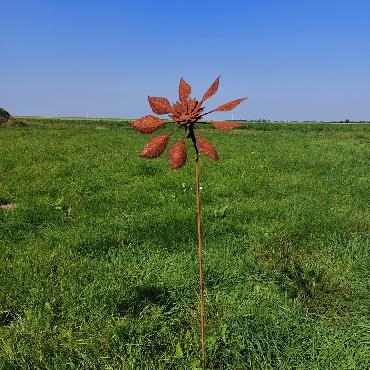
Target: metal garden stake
x=185, y=113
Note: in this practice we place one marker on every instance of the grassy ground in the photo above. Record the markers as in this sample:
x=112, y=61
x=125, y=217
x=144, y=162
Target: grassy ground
x=98, y=262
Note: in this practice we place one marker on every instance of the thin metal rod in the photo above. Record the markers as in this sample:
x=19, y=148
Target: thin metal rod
x=204, y=114
x=200, y=257
x=191, y=135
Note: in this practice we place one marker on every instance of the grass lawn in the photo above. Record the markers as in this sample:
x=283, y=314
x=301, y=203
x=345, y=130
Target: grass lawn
x=99, y=265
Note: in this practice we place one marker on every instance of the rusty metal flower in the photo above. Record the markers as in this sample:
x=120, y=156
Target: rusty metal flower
x=184, y=113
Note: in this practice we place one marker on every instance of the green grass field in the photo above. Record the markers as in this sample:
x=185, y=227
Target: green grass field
x=99, y=265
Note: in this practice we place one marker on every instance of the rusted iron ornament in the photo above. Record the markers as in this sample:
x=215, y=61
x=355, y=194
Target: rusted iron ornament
x=185, y=113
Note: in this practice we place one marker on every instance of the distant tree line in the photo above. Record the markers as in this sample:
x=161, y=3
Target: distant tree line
x=263, y=120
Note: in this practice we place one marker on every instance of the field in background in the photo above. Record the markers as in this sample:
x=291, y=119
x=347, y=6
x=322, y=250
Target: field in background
x=69, y=118
x=98, y=258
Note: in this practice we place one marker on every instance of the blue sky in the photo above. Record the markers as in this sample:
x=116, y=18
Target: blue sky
x=302, y=59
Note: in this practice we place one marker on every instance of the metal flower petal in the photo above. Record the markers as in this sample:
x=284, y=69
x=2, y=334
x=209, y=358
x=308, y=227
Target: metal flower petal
x=228, y=106
x=159, y=105
x=177, y=154
x=155, y=146
x=147, y=124
x=184, y=90
x=225, y=126
x=212, y=89
x=206, y=147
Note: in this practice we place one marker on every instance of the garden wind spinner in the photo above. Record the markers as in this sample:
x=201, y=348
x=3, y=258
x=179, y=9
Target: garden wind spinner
x=185, y=113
